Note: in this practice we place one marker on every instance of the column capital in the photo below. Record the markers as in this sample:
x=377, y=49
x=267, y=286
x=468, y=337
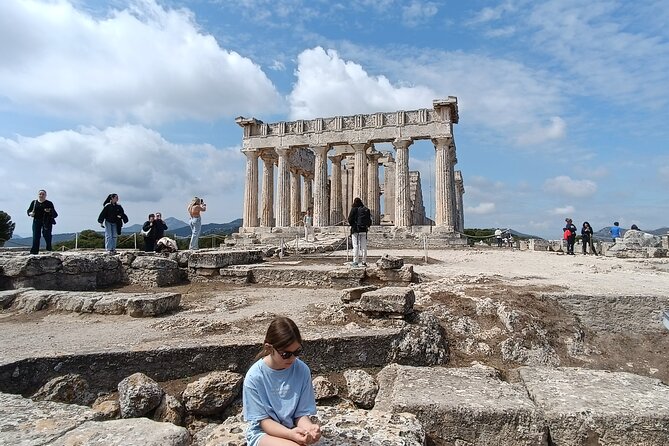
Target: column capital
x=402, y=143
x=359, y=146
x=374, y=156
x=320, y=149
x=336, y=158
x=283, y=151
x=442, y=142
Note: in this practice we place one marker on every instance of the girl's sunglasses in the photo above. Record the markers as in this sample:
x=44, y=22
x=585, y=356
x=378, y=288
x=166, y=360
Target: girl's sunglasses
x=286, y=355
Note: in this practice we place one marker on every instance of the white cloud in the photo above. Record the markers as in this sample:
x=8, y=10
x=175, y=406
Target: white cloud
x=565, y=185
x=328, y=85
x=147, y=64
x=481, y=209
x=565, y=210
x=79, y=168
x=417, y=12
x=555, y=130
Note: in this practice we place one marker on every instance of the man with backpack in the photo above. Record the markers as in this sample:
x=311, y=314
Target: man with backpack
x=360, y=219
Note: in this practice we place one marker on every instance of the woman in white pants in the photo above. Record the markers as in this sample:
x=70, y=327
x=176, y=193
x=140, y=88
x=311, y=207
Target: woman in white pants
x=359, y=218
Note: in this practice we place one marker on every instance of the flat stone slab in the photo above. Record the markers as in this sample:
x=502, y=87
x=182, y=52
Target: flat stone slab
x=468, y=406
x=585, y=407
x=24, y=422
x=221, y=259
x=387, y=301
x=128, y=432
x=133, y=304
x=340, y=426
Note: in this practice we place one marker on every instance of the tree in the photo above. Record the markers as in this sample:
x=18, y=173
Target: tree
x=6, y=227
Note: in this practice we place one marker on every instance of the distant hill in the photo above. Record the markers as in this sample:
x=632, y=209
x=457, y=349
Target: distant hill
x=517, y=234
x=172, y=225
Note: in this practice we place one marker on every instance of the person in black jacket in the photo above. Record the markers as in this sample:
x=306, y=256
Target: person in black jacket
x=44, y=217
x=156, y=228
x=571, y=236
x=359, y=219
x=112, y=218
x=586, y=238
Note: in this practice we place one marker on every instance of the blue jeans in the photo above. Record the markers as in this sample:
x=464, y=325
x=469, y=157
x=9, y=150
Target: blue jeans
x=195, y=227
x=110, y=236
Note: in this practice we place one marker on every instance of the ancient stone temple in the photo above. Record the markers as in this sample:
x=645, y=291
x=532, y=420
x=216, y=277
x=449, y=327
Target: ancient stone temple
x=323, y=164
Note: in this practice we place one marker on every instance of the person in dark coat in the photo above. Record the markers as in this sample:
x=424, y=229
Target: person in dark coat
x=586, y=238
x=358, y=232
x=155, y=228
x=112, y=218
x=570, y=236
x=44, y=217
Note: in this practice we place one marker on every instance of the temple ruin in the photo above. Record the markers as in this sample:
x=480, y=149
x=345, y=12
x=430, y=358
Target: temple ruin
x=304, y=151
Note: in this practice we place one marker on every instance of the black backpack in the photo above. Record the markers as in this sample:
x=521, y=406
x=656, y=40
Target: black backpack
x=364, y=219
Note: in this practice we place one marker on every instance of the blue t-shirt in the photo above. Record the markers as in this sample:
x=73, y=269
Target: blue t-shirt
x=282, y=395
x=615, y=231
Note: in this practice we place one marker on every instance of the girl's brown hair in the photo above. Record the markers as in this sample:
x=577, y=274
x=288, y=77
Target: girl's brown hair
x=281, y=332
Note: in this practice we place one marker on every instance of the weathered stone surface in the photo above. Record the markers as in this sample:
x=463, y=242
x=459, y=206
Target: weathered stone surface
x=390, y=262
x=71, y=389
x=362, y=388
x=340, y=426
x=108, y=408
x=422, y=342
x=349, y=295
x=212, y=393
x=221, y=259
x=584, y=407
x=154, y=271
x=149, y=305
x=323, y=388
x=138, y=395
x=236, y=275
x=393, y=277
x=388, y=301
x=346, y=277
x=170, y=410
x=636, y=244
x=24, y=422
x=7, y=298
x=465, y=406
x=135, y=432
x=30, y=265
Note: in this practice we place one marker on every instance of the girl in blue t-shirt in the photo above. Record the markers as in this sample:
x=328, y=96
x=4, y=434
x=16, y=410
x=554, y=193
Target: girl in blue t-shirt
x=278, y=395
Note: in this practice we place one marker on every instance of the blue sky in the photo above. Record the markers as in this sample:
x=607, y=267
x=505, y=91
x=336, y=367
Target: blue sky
x=563, y=104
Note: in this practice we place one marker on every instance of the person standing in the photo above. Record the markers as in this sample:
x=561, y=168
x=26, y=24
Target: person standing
x=159, y=227
x=498, y=237
x=308, y=221
x=615, y=231
x=112, y=218
x=149, y=238
x=569, y=235
x=195, y=208
x=44, y=217
x=360, y=220
x=586, y=238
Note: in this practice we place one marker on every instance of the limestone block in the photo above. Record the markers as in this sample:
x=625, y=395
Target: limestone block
x=346, y=277
x=468, y=406
x=154, y=271
x=70, y=389
x=537, y=245
x=421, y=342
x=7, y=297
x=170, y=410
x=323, y=388
x=77, y=302
x=85, y=263
x=150, y=305
x=138, y=395
x=237, y=276
x=396, y=277
x=106, y=407
x=287, y=276
x=25, y=422
x=388, y=301
x=33, y=300
x=212, y=393
x=362, y=388
x=134, y=432
x=221, y=259
x=349, y=295
x=390, y=262
x=584, y=407
x=31, y=265
x=77, y=282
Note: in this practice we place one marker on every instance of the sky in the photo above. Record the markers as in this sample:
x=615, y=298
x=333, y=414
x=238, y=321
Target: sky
x=563, y=104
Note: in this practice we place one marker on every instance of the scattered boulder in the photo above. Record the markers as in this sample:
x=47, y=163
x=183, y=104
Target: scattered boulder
x=135, y=432
x=70, y=389
x=170, y=410
x=107, y=407
x=323, y=388
x=387, y=302
x=138, y=395
x=421, y=342
x=212, y=393
x=362, y=388
x=390, y=262
x=349, y=295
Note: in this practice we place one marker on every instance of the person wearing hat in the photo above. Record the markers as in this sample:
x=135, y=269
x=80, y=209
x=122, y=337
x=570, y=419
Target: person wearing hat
x=569, y=235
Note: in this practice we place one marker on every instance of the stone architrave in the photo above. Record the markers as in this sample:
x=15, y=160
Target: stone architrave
x=251, y=190
x=295, y=198
x=267, y=215
x=459, y=192
x=321, y=217
x=283, y=189
x=360, y=170
x=444, y=210
x=373, y=189
x=336, y=209
x=402, y=201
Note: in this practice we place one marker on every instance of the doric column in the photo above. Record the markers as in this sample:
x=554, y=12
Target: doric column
x=452, y=189
x=321, y=217
x=444, y=191
x=336, y=210
x=251, y=190
x=389, y=177
x=347, y=185
x=267, y=216
x=308, y=193
x=373, y=189
x=295, y=198
x=283, y=189
x=402, y=199
x=459, y=192
x=360, y=171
